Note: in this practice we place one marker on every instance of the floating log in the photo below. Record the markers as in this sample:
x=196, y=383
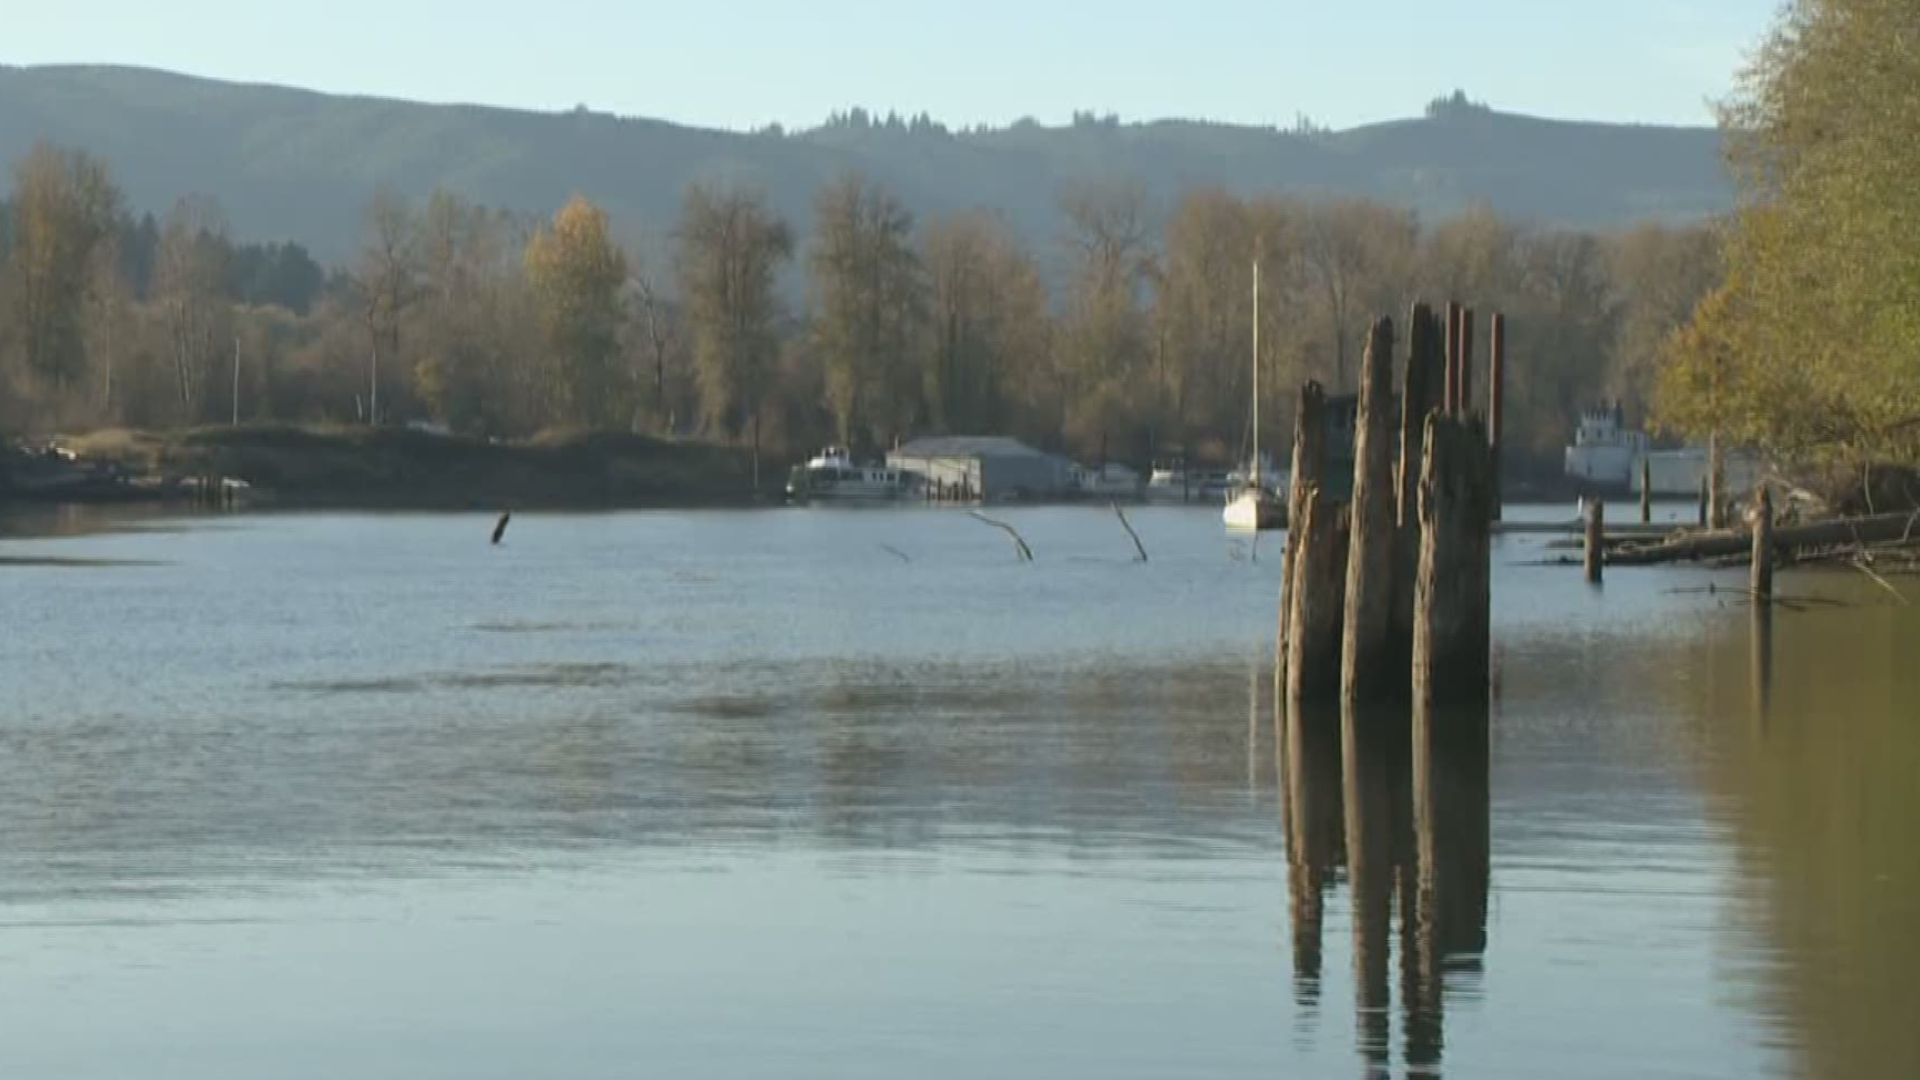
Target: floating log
x=1366, y=669
x=1722, y=543
x=1318, y=545
x=1496, y=402
x=1452, y=637
x=1763, y=546
x=1596, y=546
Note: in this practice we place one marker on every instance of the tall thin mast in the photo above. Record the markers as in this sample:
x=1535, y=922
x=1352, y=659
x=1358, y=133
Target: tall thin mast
x=1255, y=469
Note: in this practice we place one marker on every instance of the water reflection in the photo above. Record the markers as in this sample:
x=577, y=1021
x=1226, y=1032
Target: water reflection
x=1405, y=803
x=1816, y=773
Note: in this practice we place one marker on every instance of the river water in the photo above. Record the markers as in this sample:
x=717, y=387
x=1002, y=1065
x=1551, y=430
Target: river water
x=805, y=793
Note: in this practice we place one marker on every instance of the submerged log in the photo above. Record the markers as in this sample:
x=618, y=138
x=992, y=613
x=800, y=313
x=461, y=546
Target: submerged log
x=1722, y=543
x=1367, y=672
x=1318, y=547
x=1453, y=594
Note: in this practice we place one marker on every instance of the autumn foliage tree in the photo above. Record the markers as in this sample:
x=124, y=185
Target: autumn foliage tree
x=1811, y=348
x=577, y=273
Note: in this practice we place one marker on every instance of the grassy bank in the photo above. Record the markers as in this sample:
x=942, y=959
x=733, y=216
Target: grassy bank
x=357, y=466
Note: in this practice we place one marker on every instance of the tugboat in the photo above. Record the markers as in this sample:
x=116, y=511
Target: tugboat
x=832, y=475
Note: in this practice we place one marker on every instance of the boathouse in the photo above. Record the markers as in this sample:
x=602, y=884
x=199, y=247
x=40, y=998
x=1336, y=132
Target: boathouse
x=993, y=468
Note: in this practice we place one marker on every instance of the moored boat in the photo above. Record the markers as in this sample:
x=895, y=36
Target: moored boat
x=833, y=475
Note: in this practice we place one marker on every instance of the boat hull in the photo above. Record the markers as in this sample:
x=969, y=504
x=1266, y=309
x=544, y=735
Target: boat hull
x=1250, y=512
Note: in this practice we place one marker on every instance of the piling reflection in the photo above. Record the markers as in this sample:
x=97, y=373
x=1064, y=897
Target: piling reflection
x=1813, y=772
x=1409, y=813
x=1315, y=839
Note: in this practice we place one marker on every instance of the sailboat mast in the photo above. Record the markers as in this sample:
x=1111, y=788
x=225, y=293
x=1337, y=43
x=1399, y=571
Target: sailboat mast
x=1254, y=470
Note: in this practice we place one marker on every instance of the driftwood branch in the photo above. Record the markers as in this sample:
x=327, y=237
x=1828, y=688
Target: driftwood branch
x=1125, y=524
x=1020, y=543
x=1723, y=543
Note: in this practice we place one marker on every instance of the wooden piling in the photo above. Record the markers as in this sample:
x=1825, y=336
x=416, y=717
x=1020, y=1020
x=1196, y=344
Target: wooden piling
x=1450, y=396
x=1366, y=670
x=1496, y=401
x=1596, y=547
x=1465, y=404
x=1420, y=393
x=1309, y=460
x=1716, y=484
x=1318, y=546
x=1763, y=547
x=1646, y=491
x=1452, y=638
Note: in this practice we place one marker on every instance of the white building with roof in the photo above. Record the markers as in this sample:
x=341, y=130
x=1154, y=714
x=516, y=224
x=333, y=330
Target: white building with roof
x=993, y=468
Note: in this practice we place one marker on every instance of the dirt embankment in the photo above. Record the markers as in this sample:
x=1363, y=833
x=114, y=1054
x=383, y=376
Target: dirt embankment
x=352, y=466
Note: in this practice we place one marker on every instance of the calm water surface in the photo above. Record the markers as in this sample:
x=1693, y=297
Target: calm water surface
x=848, y=794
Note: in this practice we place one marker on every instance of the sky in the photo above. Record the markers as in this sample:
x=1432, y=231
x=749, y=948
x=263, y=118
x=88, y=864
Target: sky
x=746, y=63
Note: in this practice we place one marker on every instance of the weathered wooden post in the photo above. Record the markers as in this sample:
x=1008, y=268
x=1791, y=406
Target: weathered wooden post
x=1366, y=669
x=1309, y=461
x=1317, y=595
x=1450, y=397
x=1452, y=637
x=1716, y=484
x=1466, y=361
x=1596, y=541
x=1420, y=391
x=1763, y=547
x=1646, y=491
x=1497, y=402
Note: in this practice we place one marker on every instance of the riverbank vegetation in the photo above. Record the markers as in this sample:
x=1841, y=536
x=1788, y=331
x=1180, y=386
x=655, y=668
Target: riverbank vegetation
x=1126, y=337
x=1809, y=347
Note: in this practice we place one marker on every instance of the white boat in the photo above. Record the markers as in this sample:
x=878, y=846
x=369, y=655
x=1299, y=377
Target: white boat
x=1109, y=481
x=833, y=475
x=1605, y=452
x=1251, y=505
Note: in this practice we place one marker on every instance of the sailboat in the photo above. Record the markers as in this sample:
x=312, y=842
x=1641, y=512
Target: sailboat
x=1250, y=506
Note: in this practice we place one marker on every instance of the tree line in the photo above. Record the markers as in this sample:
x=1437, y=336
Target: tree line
x=1128, y=336
x=1810, y=346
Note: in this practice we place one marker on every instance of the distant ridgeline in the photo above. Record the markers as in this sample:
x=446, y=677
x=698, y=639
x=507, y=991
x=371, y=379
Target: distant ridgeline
x=293, y=165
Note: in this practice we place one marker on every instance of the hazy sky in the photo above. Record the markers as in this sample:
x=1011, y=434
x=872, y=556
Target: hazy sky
x=747, y=62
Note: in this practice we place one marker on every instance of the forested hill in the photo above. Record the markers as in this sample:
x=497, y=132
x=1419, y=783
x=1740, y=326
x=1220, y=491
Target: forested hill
x=290, y=164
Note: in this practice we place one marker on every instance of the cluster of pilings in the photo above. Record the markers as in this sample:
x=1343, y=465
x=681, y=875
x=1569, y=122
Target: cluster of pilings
x=1386, y=597
x=1386, y=674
